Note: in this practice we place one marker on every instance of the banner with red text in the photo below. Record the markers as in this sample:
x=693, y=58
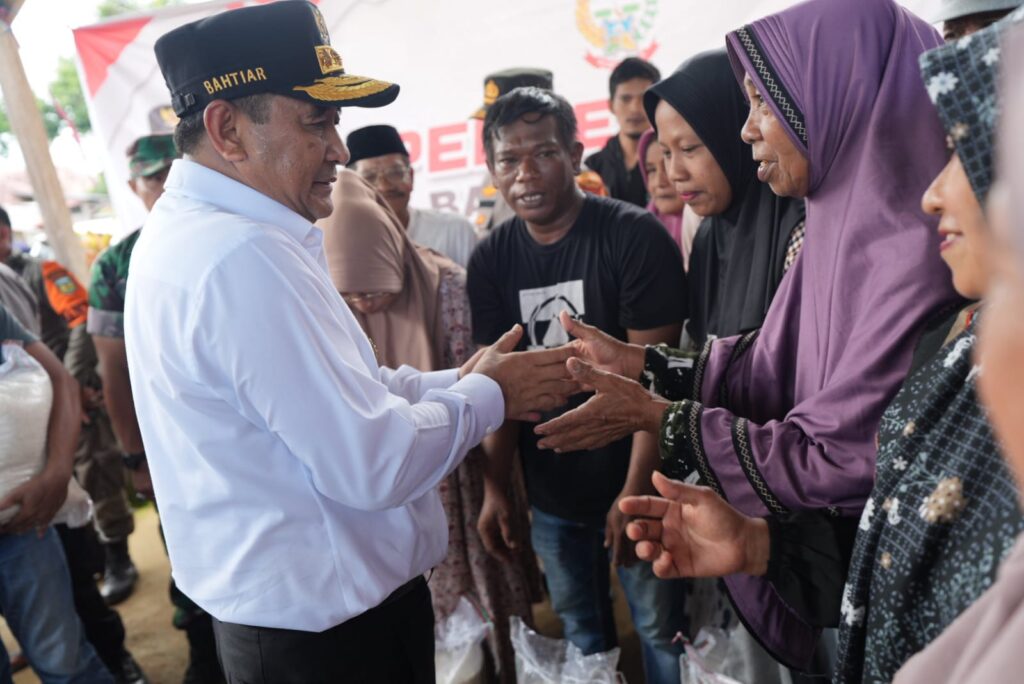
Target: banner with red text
x=439, y=52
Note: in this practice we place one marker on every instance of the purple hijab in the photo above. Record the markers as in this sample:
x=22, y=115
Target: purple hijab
x=673, y=222
x=789, y=419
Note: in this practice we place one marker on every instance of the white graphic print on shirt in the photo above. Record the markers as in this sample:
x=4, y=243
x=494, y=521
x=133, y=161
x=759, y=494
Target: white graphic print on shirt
x=540, y=306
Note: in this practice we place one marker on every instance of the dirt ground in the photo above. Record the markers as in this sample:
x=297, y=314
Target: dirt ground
x=163, y=652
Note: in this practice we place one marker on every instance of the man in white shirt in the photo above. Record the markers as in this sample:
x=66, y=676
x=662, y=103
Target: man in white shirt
x=381, y=158
x=296, y=479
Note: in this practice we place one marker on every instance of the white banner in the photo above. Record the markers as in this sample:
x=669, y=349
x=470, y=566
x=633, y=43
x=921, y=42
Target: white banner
x=439, y=52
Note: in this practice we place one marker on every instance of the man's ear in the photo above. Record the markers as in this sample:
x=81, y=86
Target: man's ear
x=222, y=121
x=131, y=186
x=576, y=154
x=412, y=177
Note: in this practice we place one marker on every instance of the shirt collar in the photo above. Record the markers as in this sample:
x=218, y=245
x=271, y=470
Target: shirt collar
x=212, y=187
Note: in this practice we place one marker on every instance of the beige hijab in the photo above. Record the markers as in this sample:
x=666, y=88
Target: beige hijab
x=368, y=251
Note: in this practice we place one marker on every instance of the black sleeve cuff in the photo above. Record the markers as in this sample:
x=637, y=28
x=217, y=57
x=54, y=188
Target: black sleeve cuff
x=808, y=562
x=681, y=443
x=669, y=372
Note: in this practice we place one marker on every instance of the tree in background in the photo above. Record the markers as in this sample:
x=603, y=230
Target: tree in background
x=67, y=102
x=66, y=92
x=111, y=8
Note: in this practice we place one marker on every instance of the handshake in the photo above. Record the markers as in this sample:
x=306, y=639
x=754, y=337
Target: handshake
x=537, y=381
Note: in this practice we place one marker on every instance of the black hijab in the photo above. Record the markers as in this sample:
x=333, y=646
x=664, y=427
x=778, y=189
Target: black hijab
x=738, y=256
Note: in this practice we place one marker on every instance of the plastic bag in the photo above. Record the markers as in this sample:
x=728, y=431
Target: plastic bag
x=458, y=646
x=26, y=397
x=543, y=660
x=709, y=659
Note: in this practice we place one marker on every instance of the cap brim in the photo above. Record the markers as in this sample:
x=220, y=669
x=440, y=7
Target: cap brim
x=480, y=114
x=349, y=90
x=153, y=167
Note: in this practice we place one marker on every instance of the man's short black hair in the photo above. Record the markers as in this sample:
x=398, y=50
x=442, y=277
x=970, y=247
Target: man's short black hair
x=190, y=130
x=528, y=101
x=630, y=68
x=5, y=220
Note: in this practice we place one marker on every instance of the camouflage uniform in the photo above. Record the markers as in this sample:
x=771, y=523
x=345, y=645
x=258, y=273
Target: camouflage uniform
x=106, y=318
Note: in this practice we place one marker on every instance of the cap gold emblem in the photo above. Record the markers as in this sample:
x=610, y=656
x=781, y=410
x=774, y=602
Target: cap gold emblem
x=329, y=59
x=321, y=25
x=491, y=92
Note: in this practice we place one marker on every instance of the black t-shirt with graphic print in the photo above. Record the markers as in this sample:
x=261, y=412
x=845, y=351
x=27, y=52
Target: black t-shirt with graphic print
x=616, y=269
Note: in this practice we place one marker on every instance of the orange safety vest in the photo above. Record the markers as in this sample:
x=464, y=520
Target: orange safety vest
x=66, y=295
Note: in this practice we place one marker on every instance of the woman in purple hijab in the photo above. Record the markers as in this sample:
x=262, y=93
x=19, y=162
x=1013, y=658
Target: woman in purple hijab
x=784, y=419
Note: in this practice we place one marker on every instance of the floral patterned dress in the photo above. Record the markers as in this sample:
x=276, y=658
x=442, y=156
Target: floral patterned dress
x=942, y=516
x=501, y=590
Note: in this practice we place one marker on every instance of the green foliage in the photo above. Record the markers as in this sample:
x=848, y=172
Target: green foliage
x=111, y=8
x=66, y=89
x=101, y=186
x=5, y=130
x=51, y=120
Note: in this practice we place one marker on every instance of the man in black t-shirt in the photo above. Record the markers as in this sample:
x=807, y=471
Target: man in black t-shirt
x=618, y=162
x=612, y=265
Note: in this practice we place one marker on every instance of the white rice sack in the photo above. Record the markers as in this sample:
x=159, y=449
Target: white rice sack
x=26, y=397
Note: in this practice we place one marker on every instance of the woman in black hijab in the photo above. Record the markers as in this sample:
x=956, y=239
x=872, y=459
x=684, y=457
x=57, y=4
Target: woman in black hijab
x=749, y=236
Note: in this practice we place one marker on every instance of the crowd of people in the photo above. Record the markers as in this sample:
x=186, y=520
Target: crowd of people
x=760, y=357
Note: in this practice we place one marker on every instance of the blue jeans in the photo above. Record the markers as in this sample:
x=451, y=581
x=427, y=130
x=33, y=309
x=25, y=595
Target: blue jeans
x=576, y=567
x=36, y=601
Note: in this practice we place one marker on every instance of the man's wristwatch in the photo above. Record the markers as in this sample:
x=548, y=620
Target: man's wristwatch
x=133, y=461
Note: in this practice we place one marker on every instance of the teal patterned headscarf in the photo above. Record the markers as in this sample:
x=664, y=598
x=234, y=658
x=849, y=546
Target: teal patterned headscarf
x=962, y=78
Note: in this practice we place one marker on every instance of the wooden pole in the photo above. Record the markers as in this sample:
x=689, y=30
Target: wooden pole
x=27, y=125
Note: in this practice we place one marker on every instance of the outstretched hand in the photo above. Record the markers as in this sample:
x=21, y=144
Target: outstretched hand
x=532, y=381
x=619, y=408
x=601, y=350
x=692, y=532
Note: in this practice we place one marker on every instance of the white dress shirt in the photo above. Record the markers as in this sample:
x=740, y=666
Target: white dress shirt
x=444, y=232
x=296, y=479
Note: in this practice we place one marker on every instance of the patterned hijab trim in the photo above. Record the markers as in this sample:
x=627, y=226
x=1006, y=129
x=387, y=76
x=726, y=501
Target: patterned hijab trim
x=776, y=90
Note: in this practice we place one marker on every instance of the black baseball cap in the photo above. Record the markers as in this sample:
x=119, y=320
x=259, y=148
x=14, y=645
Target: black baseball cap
x=280, y=47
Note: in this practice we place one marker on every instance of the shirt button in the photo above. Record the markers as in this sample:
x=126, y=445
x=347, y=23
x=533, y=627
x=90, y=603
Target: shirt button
x=909, y=429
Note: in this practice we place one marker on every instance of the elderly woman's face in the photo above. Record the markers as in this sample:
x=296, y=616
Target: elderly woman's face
x=1000, y=347
x=782, y=166
x=661, y=190
x=962, y=227
x=698, y=179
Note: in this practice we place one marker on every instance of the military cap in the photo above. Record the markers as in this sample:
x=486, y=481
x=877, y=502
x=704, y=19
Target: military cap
x=150, y=154
x=374, y=141
x=280, y=47
x=957, y=9
x=501, y=82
